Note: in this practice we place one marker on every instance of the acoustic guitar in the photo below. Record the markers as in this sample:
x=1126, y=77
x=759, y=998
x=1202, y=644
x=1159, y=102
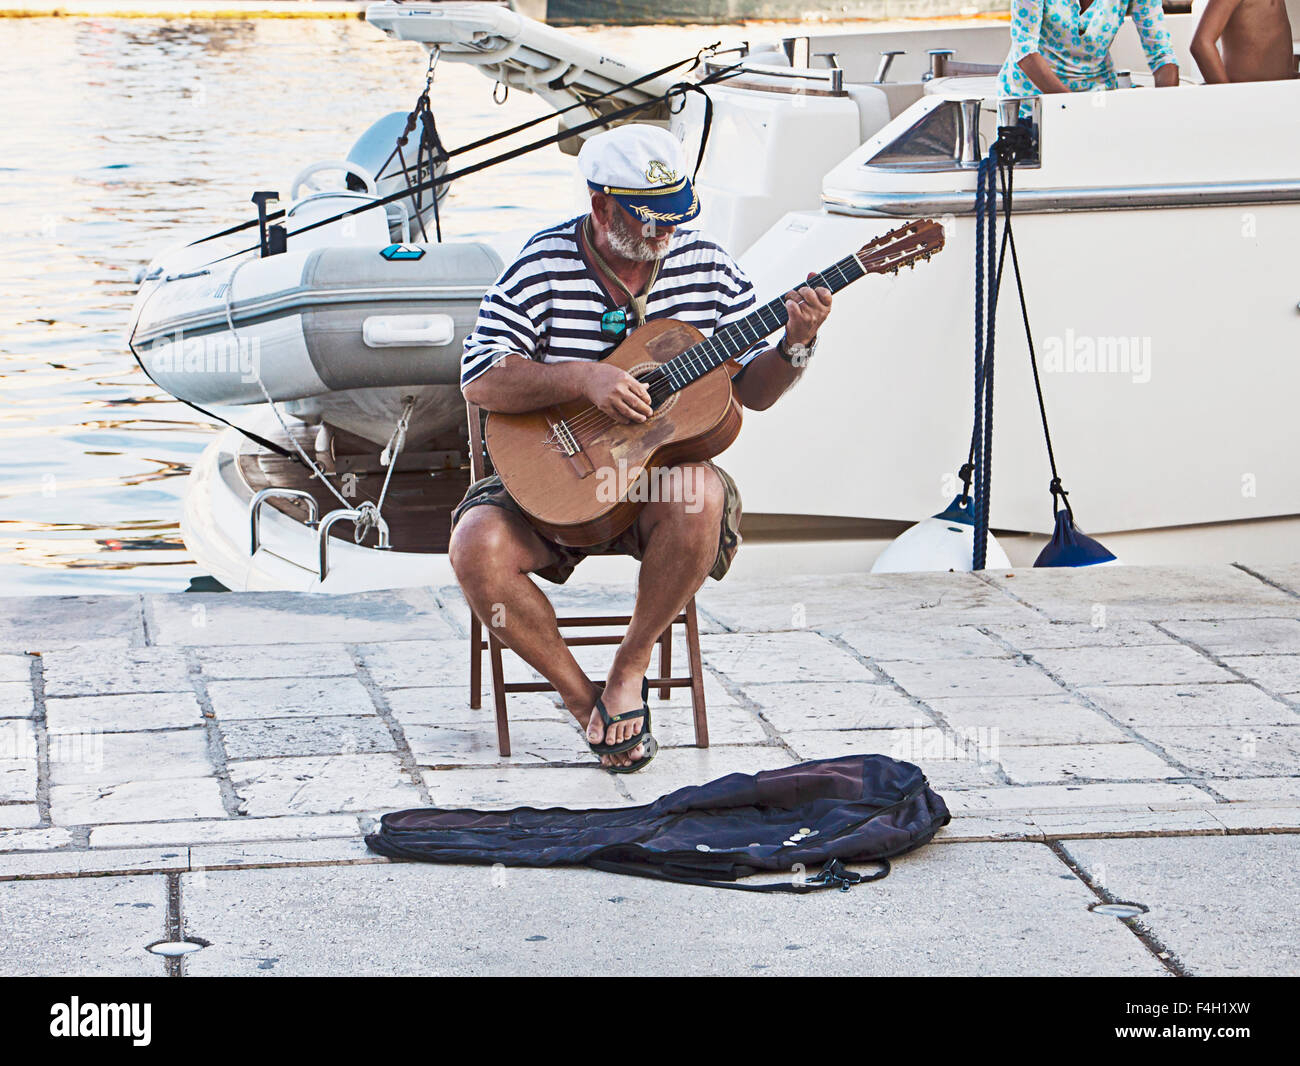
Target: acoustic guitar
x=582, y=477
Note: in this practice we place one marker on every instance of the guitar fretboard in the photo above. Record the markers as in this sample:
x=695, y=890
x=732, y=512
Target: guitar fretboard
x=712, y=352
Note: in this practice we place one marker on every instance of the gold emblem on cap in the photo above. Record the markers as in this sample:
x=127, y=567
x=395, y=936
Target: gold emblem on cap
x=659, y=172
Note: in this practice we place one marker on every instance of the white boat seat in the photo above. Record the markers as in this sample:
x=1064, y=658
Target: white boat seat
x=365, y=227
x=874, y=107
x=964, y=85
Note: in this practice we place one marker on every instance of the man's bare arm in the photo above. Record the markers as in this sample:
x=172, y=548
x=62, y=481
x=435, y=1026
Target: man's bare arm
x=518, y=384
x=1205, y=41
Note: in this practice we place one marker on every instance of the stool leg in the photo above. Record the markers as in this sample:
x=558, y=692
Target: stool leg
x=666, y=660
x=499, y=696
x=475, y=662
x=697, y=676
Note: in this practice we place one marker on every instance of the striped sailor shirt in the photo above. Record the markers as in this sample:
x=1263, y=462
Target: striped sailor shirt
x=548, y=303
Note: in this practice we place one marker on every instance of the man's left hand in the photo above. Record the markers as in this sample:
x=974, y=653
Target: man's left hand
x=807, y=309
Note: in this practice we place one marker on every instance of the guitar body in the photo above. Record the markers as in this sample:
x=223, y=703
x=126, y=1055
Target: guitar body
x=578, y=483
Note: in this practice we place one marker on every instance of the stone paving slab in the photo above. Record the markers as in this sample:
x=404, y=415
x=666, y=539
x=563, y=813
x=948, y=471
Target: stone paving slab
x=1121, y=633
x=1145, y=593
x=34, y=839
x=1051, y=763
x=15, y=668
x=87, y=927
x=222, y=831
x=1255, y=790
x=835, y=705
x=1242, y=636
x=1277, y=673
x=1108, y=794
x=472, y=745
x=19, y=815
x=968, y=677
x=883, y=642
x=16, y=699
x=136, y=801
x=1286, y=575
x=322, y=784
x=991, y=721
x=756, y=658
x=1236, y=704
x=1162, y=665
x=832, y=603
x=209, y=619
x=240, y=662
x=521, y=786
x=1224, y=906
x=433, y=663
x=265, y=738
x=123, y=713
x=18, y=780
x=1217, y=751
x=450, y=706
x=99, y=670
x=159, y=755
x=68, y=863
x=44, y=623
x=1021, y=912
x=281, y=697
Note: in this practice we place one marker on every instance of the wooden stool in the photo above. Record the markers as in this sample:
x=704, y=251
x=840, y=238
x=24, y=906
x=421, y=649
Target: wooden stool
x=482, y=639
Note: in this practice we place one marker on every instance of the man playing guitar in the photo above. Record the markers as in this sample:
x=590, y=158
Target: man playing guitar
x=573, y=293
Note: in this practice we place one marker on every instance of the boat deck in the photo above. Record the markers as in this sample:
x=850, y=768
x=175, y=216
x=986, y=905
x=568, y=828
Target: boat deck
x=417, y=508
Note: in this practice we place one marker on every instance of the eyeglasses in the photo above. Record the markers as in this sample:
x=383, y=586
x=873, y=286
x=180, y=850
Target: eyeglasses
x=613, y=324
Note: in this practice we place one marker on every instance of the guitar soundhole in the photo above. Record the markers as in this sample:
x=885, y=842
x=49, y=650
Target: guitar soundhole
x=641, y=371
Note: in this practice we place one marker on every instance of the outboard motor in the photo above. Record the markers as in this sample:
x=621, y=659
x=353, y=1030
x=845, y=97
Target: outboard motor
x=396, y=168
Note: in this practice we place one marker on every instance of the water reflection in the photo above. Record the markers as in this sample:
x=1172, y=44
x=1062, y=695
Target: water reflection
x=125, y=136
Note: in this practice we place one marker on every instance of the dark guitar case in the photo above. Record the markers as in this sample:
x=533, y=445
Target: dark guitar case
x=821, y=814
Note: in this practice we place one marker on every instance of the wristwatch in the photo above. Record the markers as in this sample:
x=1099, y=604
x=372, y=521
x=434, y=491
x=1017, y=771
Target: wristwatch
x=796, y=355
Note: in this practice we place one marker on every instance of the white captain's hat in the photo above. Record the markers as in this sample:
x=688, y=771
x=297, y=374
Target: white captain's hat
x=643, y=168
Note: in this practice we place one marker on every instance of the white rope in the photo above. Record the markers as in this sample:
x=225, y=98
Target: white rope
x=367, y=520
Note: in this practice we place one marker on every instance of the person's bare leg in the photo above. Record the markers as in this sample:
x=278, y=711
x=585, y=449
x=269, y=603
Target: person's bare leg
x=681, y=544
x=492, y=552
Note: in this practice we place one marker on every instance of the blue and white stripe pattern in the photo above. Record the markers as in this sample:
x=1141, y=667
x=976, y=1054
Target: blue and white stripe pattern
x=547, y=304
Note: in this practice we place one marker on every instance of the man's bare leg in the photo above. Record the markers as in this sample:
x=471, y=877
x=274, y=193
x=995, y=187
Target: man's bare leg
x=681, y=541
x=492, y=552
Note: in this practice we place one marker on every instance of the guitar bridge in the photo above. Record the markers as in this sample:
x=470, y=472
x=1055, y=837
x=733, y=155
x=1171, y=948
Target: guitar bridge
x=563, y=437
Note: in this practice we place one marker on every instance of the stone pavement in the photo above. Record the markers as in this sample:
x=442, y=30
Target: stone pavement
x=205, y=764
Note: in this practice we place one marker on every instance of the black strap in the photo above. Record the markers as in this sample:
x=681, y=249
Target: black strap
x=501, y=134
x=256, y=438
x=833, y=874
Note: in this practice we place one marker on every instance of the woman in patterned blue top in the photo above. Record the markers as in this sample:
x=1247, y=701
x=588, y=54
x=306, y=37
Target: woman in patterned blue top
x=1063, y=46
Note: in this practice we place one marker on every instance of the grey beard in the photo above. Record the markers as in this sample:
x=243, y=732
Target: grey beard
x=633, y=247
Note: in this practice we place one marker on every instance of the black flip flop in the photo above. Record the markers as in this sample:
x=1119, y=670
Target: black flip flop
x=606, y=720
x=651, y=750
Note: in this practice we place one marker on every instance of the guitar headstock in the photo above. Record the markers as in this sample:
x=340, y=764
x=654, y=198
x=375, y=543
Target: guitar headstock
x=901, y=247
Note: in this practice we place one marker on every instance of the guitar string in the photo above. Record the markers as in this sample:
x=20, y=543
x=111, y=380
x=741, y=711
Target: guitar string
x=662, y=381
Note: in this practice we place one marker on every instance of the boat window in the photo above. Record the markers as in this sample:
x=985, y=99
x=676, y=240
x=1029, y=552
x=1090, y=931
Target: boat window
x=935, y=139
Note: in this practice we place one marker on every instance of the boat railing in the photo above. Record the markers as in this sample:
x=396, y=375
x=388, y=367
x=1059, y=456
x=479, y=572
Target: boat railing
x=255, y=510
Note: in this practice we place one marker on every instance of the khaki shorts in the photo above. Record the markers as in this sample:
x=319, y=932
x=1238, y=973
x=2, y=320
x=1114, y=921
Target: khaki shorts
x=490, y=491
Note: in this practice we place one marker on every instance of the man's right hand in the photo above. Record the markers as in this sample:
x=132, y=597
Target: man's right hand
x=617, y=393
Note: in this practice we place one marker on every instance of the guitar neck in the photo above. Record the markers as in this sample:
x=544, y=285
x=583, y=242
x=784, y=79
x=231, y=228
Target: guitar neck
x=711, y=353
